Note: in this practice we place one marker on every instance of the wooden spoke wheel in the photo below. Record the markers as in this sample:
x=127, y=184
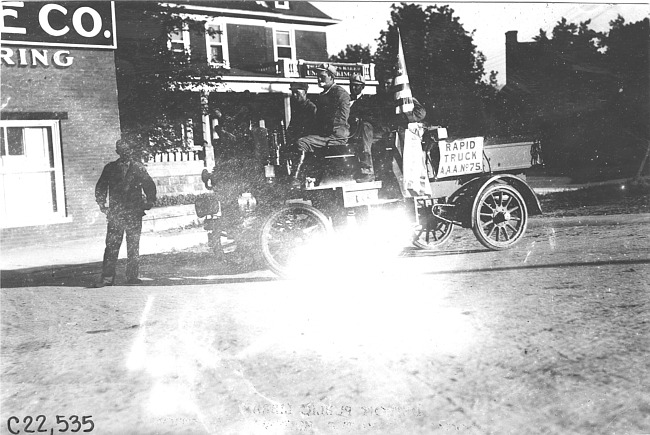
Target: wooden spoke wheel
x=432, y=235
x=500, y=217
x=288, y=229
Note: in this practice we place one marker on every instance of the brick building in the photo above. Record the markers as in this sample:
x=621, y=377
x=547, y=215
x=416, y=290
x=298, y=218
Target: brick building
x=59, y=118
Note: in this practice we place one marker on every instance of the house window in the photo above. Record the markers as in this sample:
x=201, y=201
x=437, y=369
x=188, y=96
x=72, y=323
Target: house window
x=179, y=40
x=282, y=5
x=217, y=44
x=31, y=173
x=284, y=44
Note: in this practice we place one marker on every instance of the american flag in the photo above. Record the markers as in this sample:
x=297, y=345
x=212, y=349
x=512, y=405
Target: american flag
x=402, y=88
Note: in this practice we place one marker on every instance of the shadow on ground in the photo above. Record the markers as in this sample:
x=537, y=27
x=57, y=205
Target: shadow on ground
x=166, y=269
x=190, y=267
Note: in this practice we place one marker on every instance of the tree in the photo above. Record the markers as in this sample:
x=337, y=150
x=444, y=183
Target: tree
x=591, y=96
x=445, y=69
x=155, y=103
x=626, y=54
x=356, y=53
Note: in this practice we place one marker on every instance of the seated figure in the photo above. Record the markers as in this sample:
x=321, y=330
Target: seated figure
x=331, y=122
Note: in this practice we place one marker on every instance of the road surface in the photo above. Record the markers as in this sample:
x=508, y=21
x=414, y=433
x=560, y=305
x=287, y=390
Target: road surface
x=550, y=337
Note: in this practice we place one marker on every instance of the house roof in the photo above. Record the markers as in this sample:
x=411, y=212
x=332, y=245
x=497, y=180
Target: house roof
x=298, y=11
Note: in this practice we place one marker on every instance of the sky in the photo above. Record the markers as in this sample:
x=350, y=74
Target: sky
x=361, y=22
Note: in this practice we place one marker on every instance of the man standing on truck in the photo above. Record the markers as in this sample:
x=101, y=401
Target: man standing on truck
x=331, y=123
x=372, y=118
x=123, y=182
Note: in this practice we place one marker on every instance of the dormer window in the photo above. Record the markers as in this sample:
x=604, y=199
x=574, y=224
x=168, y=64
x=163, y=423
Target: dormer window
x=282, y=5
x=217, y=44
x=178, y=40
x=284, y=44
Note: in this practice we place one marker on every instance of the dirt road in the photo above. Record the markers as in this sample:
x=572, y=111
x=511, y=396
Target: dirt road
x=550, y=337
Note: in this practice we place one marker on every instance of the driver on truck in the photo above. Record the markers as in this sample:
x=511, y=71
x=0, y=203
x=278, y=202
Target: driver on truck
x=331, y=123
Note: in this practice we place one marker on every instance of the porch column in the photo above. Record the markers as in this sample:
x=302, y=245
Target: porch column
x=207, y=131
x=287, y=109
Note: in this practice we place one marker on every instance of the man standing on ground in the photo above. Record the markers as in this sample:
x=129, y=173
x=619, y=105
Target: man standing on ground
x=123, y=182
x=331, y=124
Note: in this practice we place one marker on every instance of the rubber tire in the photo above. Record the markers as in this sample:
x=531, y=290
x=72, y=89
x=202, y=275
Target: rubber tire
x=433, y=245
x=276, y=219
x=521, y=213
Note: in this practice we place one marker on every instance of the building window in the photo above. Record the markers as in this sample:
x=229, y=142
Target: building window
x=178, y=41
x=217, y=44
x=284, y=45
x=31, y=173
x=282, y=5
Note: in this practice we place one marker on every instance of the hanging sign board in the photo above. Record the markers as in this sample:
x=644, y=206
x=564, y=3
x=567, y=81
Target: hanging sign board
x=89, y=24
x=415, y=179
x=460, y=157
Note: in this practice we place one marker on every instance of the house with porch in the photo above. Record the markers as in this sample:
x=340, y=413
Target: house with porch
x=243, y=56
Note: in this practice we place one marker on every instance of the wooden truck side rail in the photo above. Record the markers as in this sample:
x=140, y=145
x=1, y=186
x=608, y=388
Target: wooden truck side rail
x=510, y=156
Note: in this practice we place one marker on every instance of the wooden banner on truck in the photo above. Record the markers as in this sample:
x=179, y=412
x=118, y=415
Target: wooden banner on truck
x=460, y=157
x=416, y=179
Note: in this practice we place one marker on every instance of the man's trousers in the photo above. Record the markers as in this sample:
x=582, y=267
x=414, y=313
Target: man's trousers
x=131, y=224
x=363, y=140
x=313, y=142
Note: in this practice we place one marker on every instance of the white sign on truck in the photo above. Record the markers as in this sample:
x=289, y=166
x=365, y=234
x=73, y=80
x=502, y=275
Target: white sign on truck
x=460, y=157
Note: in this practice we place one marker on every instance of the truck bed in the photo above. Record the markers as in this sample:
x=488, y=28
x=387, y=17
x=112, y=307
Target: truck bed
x=508, y=157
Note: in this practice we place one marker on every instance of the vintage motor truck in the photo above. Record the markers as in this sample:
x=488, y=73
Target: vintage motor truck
x=439, y=182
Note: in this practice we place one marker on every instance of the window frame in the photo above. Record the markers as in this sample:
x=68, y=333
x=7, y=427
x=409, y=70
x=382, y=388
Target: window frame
x=185, y=33
x=224, y=43
x=282, y=5
x=292, y=42
x=58, y=216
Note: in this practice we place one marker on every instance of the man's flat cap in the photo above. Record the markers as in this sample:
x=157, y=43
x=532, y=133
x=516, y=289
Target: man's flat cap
x=123, y=142
x=331, y=69
x=303, y=86
x=357, y=79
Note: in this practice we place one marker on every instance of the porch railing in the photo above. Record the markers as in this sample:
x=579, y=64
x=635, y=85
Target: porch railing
x=176, y=156
x=306, y=68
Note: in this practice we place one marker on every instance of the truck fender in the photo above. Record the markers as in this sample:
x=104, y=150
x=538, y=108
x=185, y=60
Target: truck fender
x=463, y=199
x=532, y=203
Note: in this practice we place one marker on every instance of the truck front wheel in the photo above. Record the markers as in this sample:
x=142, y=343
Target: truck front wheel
x=500, y=217
x=288, y=232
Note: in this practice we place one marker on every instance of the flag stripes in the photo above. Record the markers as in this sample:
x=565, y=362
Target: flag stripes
x=403, y=94
x=401, y=87
x=400, y=80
